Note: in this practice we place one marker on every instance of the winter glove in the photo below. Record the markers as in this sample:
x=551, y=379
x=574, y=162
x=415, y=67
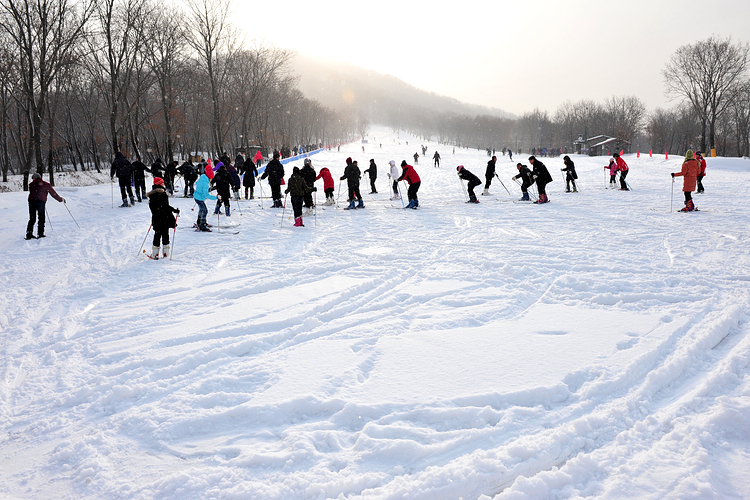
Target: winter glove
x=315, y=189
x=672, y=175
x=178, y=211
x=389, y=176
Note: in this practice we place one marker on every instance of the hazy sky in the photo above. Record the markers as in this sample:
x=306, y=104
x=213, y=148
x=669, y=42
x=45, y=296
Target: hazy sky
x=512, y=55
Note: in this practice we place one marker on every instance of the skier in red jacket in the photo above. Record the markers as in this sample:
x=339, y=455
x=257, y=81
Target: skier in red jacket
x=411, y=176
x=325, y=174
x=38, y=190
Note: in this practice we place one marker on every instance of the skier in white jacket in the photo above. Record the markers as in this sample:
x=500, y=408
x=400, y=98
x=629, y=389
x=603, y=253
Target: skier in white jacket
x=394, y=174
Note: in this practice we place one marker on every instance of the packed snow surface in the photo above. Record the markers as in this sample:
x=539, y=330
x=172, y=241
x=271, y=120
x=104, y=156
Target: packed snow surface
x=596, y=346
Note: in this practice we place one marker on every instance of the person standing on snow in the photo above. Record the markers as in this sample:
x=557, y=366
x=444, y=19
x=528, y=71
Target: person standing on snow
x=236, y=181
x=275, y=173
x=612, y=172
x=258, y=159
x=352, y=175
x=570, y=174
x=436, y=159
x=328, y=187
x=691, y=169
x=139, y=178
x=124, y=170
x=372, y=171
x=162, y=219
x=623, y=168
x=526, y=180
x=411, y=176
x=488, y=175
x=542, y=177
x=171, y=173
x=298, y=189
x=202, y=194
x=38, y=190
x=416, y=158
x=309, y=175
x=189, y=175
x=473, y=181
x=248, y=180
x=223, y=183
x=510, y=155
x=393, y=175
x=702, y=174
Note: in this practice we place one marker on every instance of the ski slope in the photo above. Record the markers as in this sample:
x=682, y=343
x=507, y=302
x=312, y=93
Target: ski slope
x=596, y=346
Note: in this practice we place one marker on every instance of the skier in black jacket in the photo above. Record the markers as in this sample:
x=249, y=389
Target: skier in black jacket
x=473, y=181
x=542, y=177
x=372, y=171
x=171, y=173
x=239, y=163
x=526, y=180
x=223, y=183
x=352, y=175
x=488, y=175
x=162, y=219
x=248, y=180
x=139, y=178
x=187, y=170
x=308, y=174
x=570, y=174
x=124, y=170
x=275, y=173
x=157, y=169
x=299, y=189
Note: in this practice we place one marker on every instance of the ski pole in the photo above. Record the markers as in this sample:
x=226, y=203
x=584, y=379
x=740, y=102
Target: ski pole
x=48, y=218
x=144, y=239
x=502, y=184
x=283, y=211
x=113, y=192
x=174, y=237
x=260, y=185
x=671, y=201
x=315, y=208
x=338, y=195
x=71, y=215
x=463, y=188
x=398, y=186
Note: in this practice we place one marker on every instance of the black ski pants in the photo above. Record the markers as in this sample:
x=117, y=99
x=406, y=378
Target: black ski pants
x=488, y=181
x=275, y=191
x=412, y=192
x=297, y=205
x=125, y=189
x=354, y=193
x=372, y=184
x=36, y=209
x=161, y=236
x=140, y=187
x=472, y=184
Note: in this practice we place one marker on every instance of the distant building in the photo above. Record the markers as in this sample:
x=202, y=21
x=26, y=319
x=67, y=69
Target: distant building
x=601, y=145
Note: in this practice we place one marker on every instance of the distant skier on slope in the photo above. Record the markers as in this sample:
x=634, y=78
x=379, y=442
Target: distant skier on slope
x=38, y=190
x=372, y=171
x=488, y=175
x=416, y=158
x=570, y=174
x=393, y=175
x=526, y=180
x=542, y=177
x=436, y=159
x=691, y=168
x=352, y=175
x=162, y=218
x=411, y=176
x=473, y=181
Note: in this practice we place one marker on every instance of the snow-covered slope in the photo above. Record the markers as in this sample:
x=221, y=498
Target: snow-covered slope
x=596, y=346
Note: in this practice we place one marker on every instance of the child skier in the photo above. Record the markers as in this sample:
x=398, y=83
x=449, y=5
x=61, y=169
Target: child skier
x=393, y=175
x=201, y=195
x=702, y=161
x=612, y=172
x=162, y=219
x=691, y=168
x=411, y=176
x=308, y=174
x=473, y=181
x=525, y=174
x=570, y=174
x=222, y=181
x=325, y=174
x=298, y=188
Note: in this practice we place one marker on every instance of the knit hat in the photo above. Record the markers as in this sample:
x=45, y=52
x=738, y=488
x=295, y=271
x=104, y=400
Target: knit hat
x=209, y=172
x=689, y=155
x=307, y=161
x=158, y=181
x=392, y=163
x=35, y=175
x=403, y=163
x=458, y=168
x=295, y=170
x=348, y=160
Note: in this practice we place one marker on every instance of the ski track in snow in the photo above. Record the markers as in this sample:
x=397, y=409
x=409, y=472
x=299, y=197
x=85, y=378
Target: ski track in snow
x=590, y=347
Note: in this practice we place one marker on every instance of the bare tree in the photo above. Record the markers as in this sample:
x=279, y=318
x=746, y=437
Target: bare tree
x=706, y=74
x=741, y=116
x=44, y=32
x=625, y=116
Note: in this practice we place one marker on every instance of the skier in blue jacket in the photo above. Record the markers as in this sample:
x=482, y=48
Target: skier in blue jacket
x=201, y=195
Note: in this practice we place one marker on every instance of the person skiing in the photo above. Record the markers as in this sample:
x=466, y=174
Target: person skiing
x=157, y=168
x=702, y=174
x=202, y=193
x=224, y=158
x=325, y=174
x=171, y=173
x=473, y=181
x=612, y=172
x=236, y=181
x=372, y=171
x=248, y=180
x=298, y=189
x=526, y=180
x=570, y=174
x=542, y=177
x=393, y=175
x=239, y=163
x=510, y=155
x=436, y=159
x=352, y=175
x=410, y=175
x=416, y=158
x=308, y=174
x=275, y=173
x=488, y=175
x=139, y=178
x=162, y=218
x=223, y=183
x=258, y=159
x=189, y=175
x=124, y=171
x=38, y=191
x=623, y=168
x=690, y=171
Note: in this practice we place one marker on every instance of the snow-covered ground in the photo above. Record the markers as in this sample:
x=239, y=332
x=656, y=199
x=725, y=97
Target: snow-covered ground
x=596, y=346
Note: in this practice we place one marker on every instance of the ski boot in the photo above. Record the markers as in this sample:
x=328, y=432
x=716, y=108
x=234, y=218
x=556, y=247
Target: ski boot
x=124, y=203
x=226, y=209
x=351, y=206
x=29, y=236
x=525, y=197
x=486, y=192
x=298, y=222
x=132, y=201
x=361, y=204
x=165, y=250
x=155, y=253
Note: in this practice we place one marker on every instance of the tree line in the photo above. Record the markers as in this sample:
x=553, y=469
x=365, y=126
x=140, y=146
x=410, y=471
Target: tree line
x=81, y=80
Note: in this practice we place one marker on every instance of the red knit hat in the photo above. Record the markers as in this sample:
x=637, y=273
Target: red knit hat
x=158, y=181
x=209, y=172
